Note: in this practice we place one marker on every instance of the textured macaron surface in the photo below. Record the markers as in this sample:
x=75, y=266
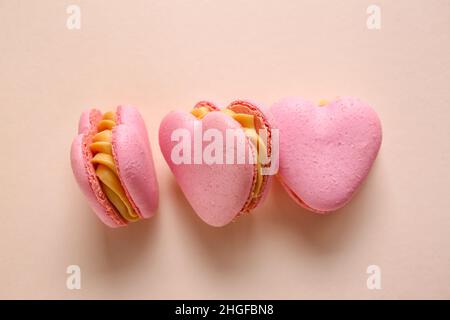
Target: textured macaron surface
x=326, y=151
x=134, y=160
x=216, y=191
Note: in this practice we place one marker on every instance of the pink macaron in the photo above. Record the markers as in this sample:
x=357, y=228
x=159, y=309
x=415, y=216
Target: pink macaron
x=113, y=165
x=326, y=150
x=218, y=183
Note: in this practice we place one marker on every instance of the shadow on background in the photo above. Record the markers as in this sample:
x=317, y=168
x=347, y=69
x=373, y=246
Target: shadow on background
x=226, y=250
x=113, y=252
x=230, y=246
x=323, y=233
x=223, y=249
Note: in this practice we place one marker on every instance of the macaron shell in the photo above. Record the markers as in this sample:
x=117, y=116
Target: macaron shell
x=326, y=152
x=86, y=118
x=134, y=160
x=216, y=192
x=207, y=103
x=269, y=120
x=85, y=177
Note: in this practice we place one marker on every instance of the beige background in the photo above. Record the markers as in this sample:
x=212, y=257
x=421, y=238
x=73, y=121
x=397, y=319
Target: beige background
x=163, y=55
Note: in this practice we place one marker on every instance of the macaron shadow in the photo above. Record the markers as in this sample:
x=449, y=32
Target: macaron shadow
x=125, y=249
x=226, y=249
x=223, y=249
x=322, y=233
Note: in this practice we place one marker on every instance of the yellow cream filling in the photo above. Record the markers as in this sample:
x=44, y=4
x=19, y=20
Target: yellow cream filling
x=247, y=122
x=106, y=169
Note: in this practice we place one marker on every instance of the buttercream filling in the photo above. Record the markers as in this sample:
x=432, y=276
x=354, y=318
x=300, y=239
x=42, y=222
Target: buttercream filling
x=106, y=170
x=247, y=121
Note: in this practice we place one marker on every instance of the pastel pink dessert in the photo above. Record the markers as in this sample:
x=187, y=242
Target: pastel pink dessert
x=326, y=151
x=113, y=165
x=218, y=191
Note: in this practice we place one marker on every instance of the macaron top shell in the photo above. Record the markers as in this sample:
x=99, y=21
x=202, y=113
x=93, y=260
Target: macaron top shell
x=326, y=151
x=134, y=160
x=216, y=192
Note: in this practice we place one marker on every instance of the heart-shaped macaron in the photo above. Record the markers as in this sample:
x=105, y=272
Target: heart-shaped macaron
x=218, y=192
x=326, y=150
x=112, y=163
